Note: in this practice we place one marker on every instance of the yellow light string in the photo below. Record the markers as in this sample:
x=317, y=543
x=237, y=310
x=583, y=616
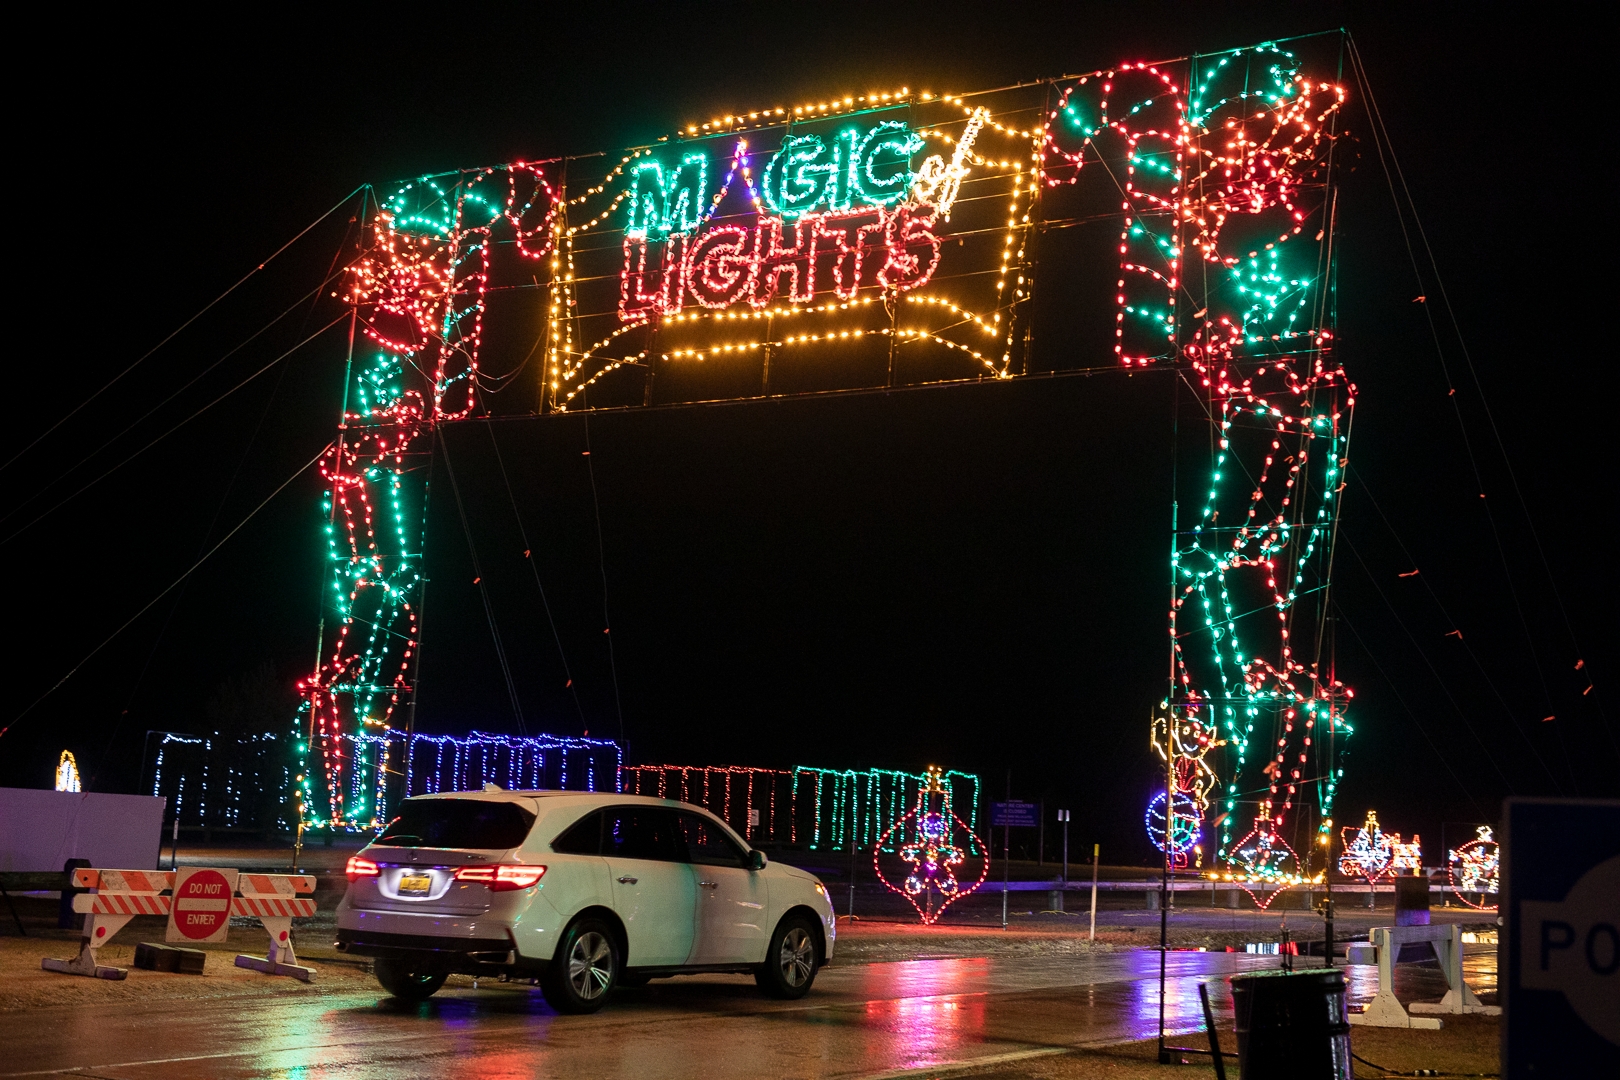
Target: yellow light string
x=940, y=301
x=614, y=366
x=757, y=118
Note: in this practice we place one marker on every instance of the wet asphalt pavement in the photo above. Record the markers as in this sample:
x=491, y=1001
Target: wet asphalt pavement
x=862, y=1021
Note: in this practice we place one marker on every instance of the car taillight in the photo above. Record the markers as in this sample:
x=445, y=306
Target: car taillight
x=502, y=878
x=359, y=868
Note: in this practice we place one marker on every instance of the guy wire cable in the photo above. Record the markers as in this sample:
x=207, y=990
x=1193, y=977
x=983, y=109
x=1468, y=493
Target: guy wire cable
x=238, y=528
x=70, y=413
x=1387, y=159
x=313, y=293
x=483, y=590
x=172, y=430
x=528, y=554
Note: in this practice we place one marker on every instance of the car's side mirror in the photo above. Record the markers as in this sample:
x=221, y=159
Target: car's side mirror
x=756, y=860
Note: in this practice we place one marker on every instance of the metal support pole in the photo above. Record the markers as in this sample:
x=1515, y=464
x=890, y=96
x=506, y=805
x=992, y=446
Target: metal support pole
x=1006, y=846
x=1065, y=816
x=852, y=874
x=1006, y=855
x=1327, y=904
x=1164, y=873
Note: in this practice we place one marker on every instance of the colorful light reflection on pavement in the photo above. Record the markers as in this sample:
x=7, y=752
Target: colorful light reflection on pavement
x=862, y=1020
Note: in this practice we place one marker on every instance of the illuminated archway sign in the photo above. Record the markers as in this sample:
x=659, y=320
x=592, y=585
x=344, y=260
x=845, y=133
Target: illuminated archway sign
x=881, y=240
x=842, y=213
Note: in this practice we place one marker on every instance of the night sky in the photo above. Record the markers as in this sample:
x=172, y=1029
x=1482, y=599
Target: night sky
x=971, y=576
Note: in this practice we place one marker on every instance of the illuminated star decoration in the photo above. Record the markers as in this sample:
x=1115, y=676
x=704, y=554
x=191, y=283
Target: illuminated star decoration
x=1476, y=867
x=926, y=846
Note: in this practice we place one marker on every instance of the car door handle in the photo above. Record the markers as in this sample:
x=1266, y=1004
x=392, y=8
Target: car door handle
x=628, y=880
x=709, y=884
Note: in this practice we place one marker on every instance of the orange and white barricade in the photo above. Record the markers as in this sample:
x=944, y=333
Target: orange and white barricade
x=273, y=900
x=120, y=896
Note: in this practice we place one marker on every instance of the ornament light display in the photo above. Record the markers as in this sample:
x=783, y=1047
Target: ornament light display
x=1476, y=868
x=925, y=840
x=1262, y=864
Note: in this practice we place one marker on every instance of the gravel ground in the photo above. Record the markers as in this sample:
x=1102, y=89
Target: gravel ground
x=24, y=985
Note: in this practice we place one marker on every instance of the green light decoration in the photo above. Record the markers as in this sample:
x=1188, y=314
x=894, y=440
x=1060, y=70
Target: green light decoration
x=673, y=204
x=808, y=175
x=859, y=808
x=819, y=809
x=420, y=299
x=1237, y=173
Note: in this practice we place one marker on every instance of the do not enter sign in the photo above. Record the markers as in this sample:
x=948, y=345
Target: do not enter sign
x=201, y=909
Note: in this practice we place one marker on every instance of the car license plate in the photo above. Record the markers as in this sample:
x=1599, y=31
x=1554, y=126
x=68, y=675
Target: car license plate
x=415, y=884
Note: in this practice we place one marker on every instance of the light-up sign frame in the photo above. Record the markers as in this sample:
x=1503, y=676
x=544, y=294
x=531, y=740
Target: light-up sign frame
x=1184, y=214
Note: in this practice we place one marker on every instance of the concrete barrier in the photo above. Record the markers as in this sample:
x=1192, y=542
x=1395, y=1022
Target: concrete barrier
x=1385, y=1010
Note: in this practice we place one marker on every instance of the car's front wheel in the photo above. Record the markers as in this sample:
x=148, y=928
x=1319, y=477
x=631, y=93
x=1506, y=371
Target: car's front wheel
x=790, y=960
x=585, y=968
x=405, y=984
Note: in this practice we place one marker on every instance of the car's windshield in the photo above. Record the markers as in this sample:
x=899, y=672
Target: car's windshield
x=458, y=823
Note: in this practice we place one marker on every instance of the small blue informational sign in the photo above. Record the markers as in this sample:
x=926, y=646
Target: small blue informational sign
x=1019, y=815
x=1560, y=951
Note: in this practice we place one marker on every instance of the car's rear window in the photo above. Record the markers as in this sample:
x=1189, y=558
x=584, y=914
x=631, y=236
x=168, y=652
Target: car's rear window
x=458, y=823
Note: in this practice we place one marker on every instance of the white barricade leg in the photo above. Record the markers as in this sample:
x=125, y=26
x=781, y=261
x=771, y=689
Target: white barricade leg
x=1384, y=1010
x=1458, y=999
x=280, y=960
x=98, y=930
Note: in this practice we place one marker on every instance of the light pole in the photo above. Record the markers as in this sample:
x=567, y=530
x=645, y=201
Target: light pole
x=1063, y=816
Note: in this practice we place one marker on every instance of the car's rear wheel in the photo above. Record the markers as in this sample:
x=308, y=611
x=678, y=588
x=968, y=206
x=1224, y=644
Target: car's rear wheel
x=399, y=980
x=585, y=969
x=790, y=960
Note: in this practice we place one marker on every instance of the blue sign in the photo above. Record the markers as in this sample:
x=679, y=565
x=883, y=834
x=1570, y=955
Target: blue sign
x=1020, y=815
x=1561, y=947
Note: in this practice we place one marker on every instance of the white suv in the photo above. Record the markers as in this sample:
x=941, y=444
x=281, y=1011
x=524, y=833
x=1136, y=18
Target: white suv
x=586, y=891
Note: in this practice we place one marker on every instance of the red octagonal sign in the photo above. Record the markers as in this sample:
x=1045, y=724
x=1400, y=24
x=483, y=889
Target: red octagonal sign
x=201, y=906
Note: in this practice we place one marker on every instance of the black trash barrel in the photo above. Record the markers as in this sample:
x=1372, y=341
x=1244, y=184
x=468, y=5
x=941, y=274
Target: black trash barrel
x=1411, y=901
x=66, y=918
x=1292, y=1025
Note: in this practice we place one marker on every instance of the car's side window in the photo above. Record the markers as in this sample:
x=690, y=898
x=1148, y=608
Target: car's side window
x=584, y=837
x=708, y=844
x=642, y=832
